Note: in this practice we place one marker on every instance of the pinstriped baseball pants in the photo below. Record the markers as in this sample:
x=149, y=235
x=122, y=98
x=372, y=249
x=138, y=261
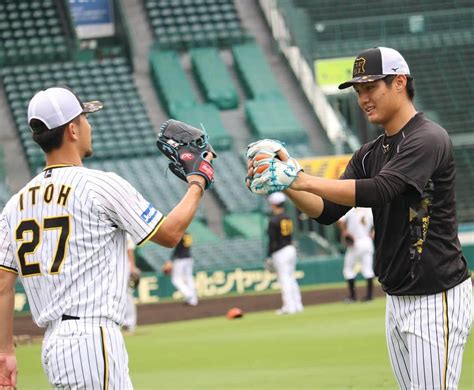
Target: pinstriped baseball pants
x=81, y=355
x=426, y=336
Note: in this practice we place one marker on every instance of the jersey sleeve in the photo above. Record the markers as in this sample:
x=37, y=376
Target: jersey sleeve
x=121, y=203
x=418, y=157
x=332, y=212
x=7, y=258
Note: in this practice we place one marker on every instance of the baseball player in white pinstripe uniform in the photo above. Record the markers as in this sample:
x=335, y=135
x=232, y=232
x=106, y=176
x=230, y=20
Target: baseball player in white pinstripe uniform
x=357, y=232
x=65, y=235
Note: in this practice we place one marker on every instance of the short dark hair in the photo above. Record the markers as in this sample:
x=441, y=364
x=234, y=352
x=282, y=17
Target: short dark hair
x=410, y=84
x=47, y=139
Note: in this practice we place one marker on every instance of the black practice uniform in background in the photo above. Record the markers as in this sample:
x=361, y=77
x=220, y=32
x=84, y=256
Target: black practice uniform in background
x=183, y=249
x=182, y=271
x=280, y=232
x=284, y=258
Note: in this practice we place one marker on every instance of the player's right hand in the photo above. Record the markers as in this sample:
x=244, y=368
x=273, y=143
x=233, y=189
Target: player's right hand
x=8, y=370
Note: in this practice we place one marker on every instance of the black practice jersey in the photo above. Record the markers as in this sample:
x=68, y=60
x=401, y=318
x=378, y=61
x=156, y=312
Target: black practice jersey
x=412, y=194
x=280, y=232
x=183, y=249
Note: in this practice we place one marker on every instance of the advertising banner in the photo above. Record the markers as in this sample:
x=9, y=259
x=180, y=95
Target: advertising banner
x=93, y=18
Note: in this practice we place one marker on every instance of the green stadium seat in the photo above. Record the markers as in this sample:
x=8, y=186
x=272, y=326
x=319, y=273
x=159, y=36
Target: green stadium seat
x=249, y=225
x=274, y=119
x=254, y=72
x=170, y=81
x=213, y=78
x=229, y=186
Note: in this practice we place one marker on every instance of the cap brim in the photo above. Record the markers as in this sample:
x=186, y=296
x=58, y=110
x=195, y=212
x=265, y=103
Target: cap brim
x=92, y=106
x=361, y=79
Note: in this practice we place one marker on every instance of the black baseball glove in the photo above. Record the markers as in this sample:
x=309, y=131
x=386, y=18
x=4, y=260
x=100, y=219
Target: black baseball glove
x=349, y=240
x=134, y=279
x=187, y=148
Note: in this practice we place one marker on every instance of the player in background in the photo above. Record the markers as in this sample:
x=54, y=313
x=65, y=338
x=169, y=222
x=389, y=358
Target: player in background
x=65, y=235
x=181, y=265
x=130, y=320
x=357, y=235
x=283, y=254
x=407, y=177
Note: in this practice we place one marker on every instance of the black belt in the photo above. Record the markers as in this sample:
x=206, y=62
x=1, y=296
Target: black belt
x=66, y=317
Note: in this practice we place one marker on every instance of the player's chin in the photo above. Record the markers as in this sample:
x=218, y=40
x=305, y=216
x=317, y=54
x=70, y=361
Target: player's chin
x=88, y=153
x=374, y=119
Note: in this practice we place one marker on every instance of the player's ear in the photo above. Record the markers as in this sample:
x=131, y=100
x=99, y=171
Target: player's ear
x=71, y=131
x=400, y=82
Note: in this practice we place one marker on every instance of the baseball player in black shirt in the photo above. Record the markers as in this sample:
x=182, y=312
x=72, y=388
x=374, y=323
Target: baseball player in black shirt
x=283, y=254
x=407, y=177
x=182, y=270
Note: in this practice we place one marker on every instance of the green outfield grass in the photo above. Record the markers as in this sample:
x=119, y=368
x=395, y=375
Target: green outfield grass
x=333, y=346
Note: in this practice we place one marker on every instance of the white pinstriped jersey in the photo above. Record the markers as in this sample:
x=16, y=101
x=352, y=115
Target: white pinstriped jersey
x=359, y=222
x=65, y=235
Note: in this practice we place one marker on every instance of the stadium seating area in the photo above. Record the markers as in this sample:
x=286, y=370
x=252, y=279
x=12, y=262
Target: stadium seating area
x=254, y=72
x=213, y=78
x=171, y=82
x=464, y=156
x=33, y=31
x=433, y=78
x=122, y=130
x=341, y=9
x=230, y=187
x=184, y=24
x=4, y=190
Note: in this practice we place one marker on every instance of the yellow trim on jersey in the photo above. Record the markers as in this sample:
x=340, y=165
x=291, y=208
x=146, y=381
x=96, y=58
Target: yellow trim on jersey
x=8, y=269
x=106, y=361
x=152, y=233
x=446, y=339
x=56, y=166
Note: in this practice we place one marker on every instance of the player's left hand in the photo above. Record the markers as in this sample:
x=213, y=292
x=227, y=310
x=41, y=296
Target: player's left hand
x=167, y=267
x=8, y=370
x=188, y=150
x=270, y=168
x=200, y=178
x=135, y=276
x=278, y=176
x=269, y=266
x=348, y=240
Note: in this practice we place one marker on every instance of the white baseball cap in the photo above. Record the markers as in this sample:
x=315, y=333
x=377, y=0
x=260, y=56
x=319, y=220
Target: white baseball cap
x=276, y=198
x=57, y=106
x=375, y=64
